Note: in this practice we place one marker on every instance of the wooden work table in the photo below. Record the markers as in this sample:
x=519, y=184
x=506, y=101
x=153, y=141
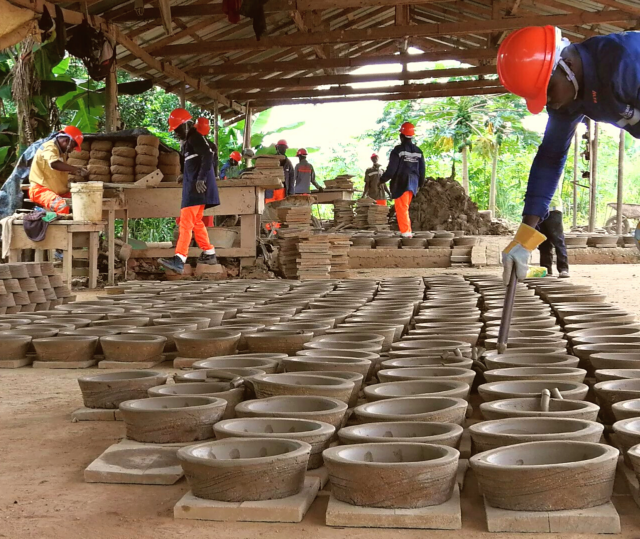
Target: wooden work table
x=244, y=198
x=331, y=195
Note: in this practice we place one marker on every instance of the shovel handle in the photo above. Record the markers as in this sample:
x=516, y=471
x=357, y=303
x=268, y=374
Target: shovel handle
x=507, y=310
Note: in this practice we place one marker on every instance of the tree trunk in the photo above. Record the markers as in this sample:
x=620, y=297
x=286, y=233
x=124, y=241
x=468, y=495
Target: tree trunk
x=493, y=186
x=465, y=170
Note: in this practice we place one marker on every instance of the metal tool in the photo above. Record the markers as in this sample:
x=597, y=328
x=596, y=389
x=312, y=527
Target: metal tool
x=507, y=309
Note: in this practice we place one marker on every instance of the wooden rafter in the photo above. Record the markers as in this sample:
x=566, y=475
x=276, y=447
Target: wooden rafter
x=393, y=32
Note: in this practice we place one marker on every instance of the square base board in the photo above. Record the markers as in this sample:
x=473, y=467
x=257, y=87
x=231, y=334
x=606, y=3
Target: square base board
x=446, y=516
x=15, y=363
x=104, y=364
x=600, y=519
x=64, y=364
x=291, y=509
x=95, y=414
x=142, y=465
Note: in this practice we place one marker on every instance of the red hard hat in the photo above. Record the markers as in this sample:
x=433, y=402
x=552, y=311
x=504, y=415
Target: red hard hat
x=374, y=155
x=236, y=156
x=202, y=126
x=407, y=129
x=75, y=134
x=177, y=118
x=526, y=60
x=301, y=151
x=282, y=142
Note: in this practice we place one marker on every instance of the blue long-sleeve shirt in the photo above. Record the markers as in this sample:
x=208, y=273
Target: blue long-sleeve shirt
x=610, y=92
x=406, y=169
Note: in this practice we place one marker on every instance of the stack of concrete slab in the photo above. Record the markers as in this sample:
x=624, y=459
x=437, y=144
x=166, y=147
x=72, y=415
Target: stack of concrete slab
x=314, y=260
x=343, y=182
x=339, y=250
x=343, y=213
x=31, y=286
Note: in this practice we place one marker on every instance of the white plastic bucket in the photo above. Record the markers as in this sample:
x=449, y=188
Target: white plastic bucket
x=86, y=201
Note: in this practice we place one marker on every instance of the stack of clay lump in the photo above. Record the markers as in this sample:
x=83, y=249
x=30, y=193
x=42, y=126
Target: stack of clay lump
x=80, y=159
x=123, y=162
x=100, y=161
x=146, y=155
x=169, y=165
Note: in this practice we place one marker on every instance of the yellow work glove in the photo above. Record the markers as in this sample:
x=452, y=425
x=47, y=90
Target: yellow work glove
x=519, y=251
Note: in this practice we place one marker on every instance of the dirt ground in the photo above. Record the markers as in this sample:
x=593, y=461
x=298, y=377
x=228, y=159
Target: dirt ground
x=43, y=495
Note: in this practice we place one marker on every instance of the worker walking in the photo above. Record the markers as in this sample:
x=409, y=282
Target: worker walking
x=49, y=174
x=406, y=171
x=373, y=187
x=597, y=78
x=304, y=175
x=199, y=192
x=553, y=229
x=231, y=168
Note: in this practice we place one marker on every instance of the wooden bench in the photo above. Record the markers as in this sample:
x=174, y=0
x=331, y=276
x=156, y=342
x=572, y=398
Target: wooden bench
x=65, y=235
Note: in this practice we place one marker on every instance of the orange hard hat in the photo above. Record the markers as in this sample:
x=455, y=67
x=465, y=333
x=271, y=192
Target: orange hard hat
x=177, y=118
x=236, y=156
x=301, y=151
x=526, y=60
x=75, y=134
x=407, y=129
x=282, y=142
x=202, y=126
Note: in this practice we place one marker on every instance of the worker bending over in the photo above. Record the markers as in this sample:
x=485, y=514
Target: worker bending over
x=304, y=175
x=199, y=192
x=598, y=78
x=231, y=168
x=406, y=171
x=49, y=175
x=373, y=187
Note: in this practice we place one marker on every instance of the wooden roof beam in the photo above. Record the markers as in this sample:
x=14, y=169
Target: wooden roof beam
x=73, y=17
x=392, y=32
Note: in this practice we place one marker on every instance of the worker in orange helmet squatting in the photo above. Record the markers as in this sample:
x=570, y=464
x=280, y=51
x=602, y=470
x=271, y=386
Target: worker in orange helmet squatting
x=598, y=78
x=49, y=174
x=271, y=195
x=230, y=169
x=406, y=171
x=199, y=192
x=304, y=175
x=373, y=187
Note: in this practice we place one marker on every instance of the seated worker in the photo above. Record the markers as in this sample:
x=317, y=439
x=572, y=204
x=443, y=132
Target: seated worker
x=304, y=175
x=231, y=169
x=199, y=192
x=49, y=175
x=373, y=187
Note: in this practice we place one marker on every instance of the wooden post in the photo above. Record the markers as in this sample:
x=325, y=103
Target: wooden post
x=111, y=101
x=465, y=170
x=183, y=95
x=247, y=133
x=576, y=144
x=216, y=127
x=594, y=178
x=493, y=186
x=620, y=183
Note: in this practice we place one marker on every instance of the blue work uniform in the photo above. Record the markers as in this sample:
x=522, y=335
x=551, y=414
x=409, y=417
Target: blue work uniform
x=406, y=169
x=609, y=93
x=198, y=165
x=229, y=171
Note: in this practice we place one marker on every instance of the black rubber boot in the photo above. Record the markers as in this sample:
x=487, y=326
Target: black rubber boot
x=175, y=264
x=207, y=259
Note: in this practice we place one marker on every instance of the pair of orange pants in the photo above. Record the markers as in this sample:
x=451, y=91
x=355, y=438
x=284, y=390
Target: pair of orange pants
x=381, y=202
x=402, y=212
x=47, y=199
x=191, y=223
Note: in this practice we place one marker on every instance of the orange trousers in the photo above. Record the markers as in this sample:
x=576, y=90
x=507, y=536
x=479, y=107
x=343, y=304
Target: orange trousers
x=402, y=212
x=46, y=198
x=207, y=220
x=381, y=202
x=191, y=223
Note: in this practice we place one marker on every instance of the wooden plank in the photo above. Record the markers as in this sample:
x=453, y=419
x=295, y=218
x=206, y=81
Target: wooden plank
x=393, y=32
x=461, y=55
x=234, y=252
x=111, y=247
x=94, y=247
x=353, y=79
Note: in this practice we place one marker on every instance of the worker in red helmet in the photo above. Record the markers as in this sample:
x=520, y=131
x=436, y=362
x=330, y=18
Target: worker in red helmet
x=49, y=174
x=289, y=175
x=406, y=171
x=373, y=187
x=304, y=174
x=231, y=168
x=598, y=78
x=199, y=192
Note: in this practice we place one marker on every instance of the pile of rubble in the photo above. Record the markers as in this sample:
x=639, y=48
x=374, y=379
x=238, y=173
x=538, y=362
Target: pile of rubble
x=442, y=204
